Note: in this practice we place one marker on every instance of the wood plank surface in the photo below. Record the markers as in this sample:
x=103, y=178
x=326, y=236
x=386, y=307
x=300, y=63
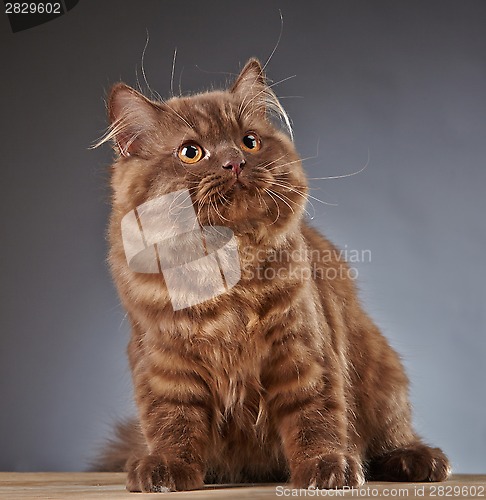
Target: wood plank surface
x=80, y=485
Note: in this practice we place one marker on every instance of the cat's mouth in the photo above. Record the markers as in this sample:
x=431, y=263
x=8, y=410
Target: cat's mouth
x=233, y=186
x=237, y=183
x=231, y=200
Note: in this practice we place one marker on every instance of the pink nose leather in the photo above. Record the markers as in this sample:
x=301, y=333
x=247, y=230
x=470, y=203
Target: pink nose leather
x=235, y=166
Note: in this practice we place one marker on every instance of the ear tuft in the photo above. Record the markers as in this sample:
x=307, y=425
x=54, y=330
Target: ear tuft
x=132, y=117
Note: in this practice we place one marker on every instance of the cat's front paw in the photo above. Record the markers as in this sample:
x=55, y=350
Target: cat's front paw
x=154, y=474
x=333, y=470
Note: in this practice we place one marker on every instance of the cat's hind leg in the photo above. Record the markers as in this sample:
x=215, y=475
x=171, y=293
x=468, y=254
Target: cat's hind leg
x=415, y=462
x=397, y=453
x=392, y=449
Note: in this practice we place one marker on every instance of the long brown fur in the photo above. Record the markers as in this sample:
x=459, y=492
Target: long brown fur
x=284, y=376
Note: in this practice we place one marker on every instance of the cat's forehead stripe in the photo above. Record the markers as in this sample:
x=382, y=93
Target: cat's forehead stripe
x=211, y=118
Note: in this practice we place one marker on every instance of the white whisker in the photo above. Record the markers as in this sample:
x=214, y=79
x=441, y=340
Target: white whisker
x=277, y=44
x=172, y=73
x=344, y=175
x=290, y=187
x=153, y=93
x=269, y=192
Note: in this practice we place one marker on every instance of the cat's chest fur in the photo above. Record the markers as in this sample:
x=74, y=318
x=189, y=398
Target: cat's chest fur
x=227, y=348
x=231, y=351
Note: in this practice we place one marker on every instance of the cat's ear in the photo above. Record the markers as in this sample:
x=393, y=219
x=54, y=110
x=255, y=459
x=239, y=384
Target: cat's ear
x=133, y=118
x=251, y=85
x=257, y=98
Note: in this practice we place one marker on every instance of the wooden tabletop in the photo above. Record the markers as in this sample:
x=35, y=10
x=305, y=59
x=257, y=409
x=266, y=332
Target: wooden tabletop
x=67, y=485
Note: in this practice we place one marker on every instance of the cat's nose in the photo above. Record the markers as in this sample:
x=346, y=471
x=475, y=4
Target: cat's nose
x=235, y=166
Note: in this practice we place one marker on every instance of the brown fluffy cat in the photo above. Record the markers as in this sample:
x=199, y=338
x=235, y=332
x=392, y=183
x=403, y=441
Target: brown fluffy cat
x=283, y=376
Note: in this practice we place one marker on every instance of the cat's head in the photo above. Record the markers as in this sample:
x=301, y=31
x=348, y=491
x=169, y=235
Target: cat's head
x=241, y=170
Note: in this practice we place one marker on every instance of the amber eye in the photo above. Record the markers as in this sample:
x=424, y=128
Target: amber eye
x=190, y=152
x=251, y=142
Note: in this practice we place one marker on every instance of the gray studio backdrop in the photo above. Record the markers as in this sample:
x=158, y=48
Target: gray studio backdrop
x=404, y=80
